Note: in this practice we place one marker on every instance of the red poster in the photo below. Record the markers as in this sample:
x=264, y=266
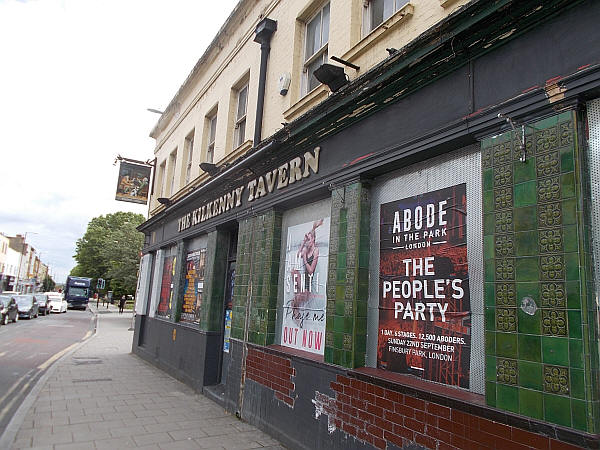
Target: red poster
x=166, y=288
x=424, y=301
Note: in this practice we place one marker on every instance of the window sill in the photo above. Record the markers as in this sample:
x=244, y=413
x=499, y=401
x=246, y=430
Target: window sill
x=313, y=98
x=446, y=3
x=384, y=28
x=394, y=381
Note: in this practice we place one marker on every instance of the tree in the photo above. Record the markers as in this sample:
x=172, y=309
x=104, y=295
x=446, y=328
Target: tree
x=110, y=249
x=48, y=284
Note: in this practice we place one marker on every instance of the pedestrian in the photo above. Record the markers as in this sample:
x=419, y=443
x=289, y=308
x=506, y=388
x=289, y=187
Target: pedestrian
x=97, y=299
x=122, y=304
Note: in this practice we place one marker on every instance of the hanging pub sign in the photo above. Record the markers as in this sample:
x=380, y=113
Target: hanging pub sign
x=305, y=297
x=424, y=301
x=133, y=183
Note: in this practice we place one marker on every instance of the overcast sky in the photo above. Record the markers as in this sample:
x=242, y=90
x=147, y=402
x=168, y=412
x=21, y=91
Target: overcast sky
x=76, y=78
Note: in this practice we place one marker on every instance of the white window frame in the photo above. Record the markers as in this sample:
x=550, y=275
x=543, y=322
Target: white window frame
x=172, y=164
x=212, y=133
x=396, y=5
x=189, y=145
x=240, y=117
x=320, y=54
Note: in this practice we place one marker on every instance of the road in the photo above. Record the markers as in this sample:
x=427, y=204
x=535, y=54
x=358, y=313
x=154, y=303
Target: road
x=29, y=347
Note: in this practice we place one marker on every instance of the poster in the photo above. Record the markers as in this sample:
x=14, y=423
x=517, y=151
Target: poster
x=305, y=297
x=133, y=183
x=228, y=306
x=166, y=287
x=424, y=299
x=193, y=286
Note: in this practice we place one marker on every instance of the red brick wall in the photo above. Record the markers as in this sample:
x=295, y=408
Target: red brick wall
x=377, y=416
x=274, y=372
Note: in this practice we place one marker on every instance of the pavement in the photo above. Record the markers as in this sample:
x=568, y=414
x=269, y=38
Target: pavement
x=101, y=396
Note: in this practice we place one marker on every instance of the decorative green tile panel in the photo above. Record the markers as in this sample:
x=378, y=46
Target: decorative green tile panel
x=349, y=253
x=540, y=348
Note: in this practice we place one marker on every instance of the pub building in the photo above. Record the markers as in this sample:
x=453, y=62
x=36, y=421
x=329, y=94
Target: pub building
x=405, y=254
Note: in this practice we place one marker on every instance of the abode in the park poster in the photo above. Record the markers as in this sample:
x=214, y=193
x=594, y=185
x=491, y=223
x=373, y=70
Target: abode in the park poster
x=424, y=301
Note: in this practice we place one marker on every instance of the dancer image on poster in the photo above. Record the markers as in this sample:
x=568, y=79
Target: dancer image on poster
x=309, y=253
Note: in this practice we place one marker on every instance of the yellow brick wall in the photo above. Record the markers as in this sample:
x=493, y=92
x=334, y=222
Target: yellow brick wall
x=234, y=55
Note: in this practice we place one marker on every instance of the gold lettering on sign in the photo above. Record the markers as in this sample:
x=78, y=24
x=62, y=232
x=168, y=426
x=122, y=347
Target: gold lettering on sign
x=294, y=170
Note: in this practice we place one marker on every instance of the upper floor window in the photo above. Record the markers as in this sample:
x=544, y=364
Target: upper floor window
x=172, y=162
x=161, y=178
x=212, y=133
x=189, y=145
x=240, y=116
x=378, y=11
x=315, y=50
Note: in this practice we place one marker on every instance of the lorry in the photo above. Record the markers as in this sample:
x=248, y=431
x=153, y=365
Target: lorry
x=77, y=292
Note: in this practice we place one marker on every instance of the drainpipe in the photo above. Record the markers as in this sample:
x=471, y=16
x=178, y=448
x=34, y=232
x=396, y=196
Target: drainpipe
x=264, y=31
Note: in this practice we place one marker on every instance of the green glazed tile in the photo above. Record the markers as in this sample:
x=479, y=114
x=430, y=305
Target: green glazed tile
x=488, y=224
x=529, y=324
x=524, y=171
x=490, y=368
x=507, y=397
x=567, y=182
x=490, y=319
x=530, y=289
x=572, y=266
x=506, y=345
x=490, y=294
x=546, y=123
x=569, y=212
x=566, y=160
x=555, y=350
x=573, y=295
x=530, y=375
x=579, y=415
x=490, y=342
x=526, y=243
x=328, y=356
x=578, y=383
x=557, y=409
x=527, y=268
x=488, y=179
x=489, y=270
x=571, y=243
x=339, y=307
x=530, y=348
x=531, y=403
x=574, y=322
x=525, y=194
x=490, y=393
x=338, y=357
x=488, y=247
x=525, y=218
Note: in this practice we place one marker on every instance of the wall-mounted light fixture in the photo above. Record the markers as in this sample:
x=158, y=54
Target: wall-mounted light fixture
x=163, y=201
x=333, y=76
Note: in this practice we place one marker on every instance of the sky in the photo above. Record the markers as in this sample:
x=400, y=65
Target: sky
x=76, y=79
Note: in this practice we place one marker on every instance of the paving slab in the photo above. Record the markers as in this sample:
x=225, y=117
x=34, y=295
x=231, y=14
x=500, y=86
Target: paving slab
x=101, y=396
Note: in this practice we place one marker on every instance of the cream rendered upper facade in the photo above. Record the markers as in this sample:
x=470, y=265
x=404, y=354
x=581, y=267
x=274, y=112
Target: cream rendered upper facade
x=212, y=116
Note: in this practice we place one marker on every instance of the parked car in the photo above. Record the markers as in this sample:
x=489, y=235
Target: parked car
x=43, y=303
x=8, y=309
x=28, y=306
x=57, y=302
